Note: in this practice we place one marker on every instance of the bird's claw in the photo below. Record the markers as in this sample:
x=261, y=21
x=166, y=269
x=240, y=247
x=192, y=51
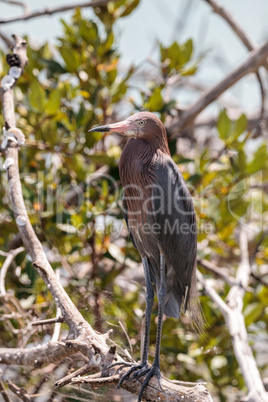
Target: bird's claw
x=131, y=370
x=154, y=370
x=139, y=370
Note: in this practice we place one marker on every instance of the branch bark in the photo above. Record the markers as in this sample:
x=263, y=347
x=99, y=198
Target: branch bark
x=82, y=337
x=254, y=60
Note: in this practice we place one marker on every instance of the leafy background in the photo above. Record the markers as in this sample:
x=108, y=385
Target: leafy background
x=72, y=190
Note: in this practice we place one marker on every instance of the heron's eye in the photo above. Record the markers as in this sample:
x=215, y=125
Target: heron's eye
x=141, y=123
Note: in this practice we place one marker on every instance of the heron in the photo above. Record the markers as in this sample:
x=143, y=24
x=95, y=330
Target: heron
x=159, y=212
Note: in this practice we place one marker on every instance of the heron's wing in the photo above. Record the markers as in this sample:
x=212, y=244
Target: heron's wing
x=175, y=215
x=125, y=215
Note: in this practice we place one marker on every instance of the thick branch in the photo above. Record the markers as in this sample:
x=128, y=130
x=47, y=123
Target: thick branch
x=254, y=60
x=171, y=391
x=50, y=11
x=52, y=352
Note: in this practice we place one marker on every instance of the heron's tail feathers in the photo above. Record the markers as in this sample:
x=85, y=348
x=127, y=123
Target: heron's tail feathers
x=191, y=309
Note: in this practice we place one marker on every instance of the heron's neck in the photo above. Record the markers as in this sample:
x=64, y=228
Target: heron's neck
x=136, y=161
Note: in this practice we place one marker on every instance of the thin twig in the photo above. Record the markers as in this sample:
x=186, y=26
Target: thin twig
x=50, y=11
x=3, y=392
x=125, y=332
x=20, y=392
x=11, y=255
x=68, y=379
x=48, y=321
x=96, y=381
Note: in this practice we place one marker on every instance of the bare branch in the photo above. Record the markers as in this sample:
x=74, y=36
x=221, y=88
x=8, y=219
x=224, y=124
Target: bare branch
x=250, y=45
x=125, y=332
x=50, y=11
x=232, y=312
x=11, y=255
x=20, y=392
x=3, y=392
x=218, y=271
x=37, y=356
x=254, y=60
x=228, y=17
x=81, y=371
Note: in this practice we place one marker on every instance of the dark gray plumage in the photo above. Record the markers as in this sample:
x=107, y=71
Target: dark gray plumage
x=159, y=213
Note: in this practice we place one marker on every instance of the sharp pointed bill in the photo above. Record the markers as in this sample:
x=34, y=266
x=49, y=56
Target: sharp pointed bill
x=125, y=127
x=99, y=129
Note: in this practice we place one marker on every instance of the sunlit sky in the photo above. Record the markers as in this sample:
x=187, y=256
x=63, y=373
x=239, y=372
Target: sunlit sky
x=161, y=20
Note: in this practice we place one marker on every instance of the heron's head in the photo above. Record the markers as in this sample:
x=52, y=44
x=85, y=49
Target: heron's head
x=140, y=125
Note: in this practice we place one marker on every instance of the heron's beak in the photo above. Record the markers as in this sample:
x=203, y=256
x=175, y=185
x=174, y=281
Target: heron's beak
x=124, y=127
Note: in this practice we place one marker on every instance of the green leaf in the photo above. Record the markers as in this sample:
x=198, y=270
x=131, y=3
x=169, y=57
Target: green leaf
x=252, y=312
x=223, y=124
x=155, y=102
x=195, y=178
x=53, y=103
x=176, y=56
x=52, y=65
x=239, y=127
x=37, y=96
x=259, y=160
x=190, y=70
x=130, y=7
x=71, y=58
x=186, y=51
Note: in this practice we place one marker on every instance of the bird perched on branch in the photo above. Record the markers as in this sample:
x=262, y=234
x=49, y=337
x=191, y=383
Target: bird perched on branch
x=160, y=216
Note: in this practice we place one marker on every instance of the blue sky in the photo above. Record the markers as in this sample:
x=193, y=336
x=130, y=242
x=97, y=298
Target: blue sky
x=159, y=20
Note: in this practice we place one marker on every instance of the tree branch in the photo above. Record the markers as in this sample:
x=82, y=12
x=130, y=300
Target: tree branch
x=232, y=312
x=254, y=60
x=50, y=11
x=250, y=45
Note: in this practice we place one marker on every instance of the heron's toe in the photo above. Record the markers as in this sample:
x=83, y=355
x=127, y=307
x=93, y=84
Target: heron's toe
x=141, y=372
x=124, y=364
x=131, y=370
x=154, y=370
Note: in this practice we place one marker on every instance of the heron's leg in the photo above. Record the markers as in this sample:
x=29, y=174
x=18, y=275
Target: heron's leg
x=149, y=297
x=149, y=305
x=155, y=369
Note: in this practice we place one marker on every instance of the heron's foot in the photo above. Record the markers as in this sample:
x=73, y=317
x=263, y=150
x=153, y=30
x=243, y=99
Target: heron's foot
x=150, y=371
x=139, y=367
